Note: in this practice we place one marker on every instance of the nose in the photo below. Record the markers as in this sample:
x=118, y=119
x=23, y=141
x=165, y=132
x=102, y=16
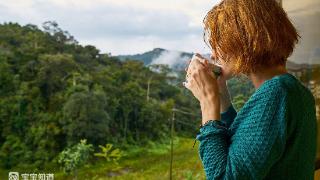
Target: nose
x=211, y=56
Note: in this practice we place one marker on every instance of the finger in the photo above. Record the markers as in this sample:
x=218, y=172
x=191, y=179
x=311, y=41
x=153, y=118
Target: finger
x=196, y=64
x=195, y=61
x=190, y=68
x=196, y=79
x=187, y=76
x=199, y=55
x=204, y=70
x=199, y=65
x=188, y=64
x=192, y=88
x=196, y=68
x=200, y=60
x=193, y=84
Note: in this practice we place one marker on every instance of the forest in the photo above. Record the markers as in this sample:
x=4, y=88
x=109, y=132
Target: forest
x=56, y=93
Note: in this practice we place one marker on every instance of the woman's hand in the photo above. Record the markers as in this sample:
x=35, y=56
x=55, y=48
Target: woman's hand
x=204, y=86
x=225, y=99
x=201, y=81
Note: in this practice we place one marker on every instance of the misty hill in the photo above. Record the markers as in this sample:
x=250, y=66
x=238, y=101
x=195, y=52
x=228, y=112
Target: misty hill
x=146, y=57
x=177, y=60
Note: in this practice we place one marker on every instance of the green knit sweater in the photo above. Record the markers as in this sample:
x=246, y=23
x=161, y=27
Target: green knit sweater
x=272, y=137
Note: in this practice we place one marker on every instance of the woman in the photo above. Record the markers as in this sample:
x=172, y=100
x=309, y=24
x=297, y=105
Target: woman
x=274, y=135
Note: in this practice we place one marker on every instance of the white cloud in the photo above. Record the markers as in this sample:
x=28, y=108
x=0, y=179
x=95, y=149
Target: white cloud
x=170, y=58
x=119, y=27
x=140, y=44
x=136, y=26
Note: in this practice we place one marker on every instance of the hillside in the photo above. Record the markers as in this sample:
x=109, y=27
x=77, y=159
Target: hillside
x=177, y=60
x=55, y=92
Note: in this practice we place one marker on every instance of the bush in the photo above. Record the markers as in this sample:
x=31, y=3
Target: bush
x=71, y=159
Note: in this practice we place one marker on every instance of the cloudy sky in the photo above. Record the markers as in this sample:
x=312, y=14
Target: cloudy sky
x=119, y=26
x=136, y=26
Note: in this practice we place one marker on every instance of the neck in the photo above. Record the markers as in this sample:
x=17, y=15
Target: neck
x=258, y=78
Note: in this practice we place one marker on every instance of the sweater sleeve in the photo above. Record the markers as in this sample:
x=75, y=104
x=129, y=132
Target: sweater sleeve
x=255, y=141
x=228, y=116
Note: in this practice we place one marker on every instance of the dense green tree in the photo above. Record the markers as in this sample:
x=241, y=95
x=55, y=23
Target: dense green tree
x=55, y=92
x=85, y=116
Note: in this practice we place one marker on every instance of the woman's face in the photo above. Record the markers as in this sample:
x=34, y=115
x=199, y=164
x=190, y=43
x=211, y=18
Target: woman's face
x=226, y=67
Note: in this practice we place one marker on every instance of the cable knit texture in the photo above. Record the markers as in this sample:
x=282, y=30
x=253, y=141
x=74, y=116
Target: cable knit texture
x=273, y=136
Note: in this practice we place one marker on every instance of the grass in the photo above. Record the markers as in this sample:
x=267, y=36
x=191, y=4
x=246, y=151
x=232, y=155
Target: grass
x=146, y=163
x=150, y=162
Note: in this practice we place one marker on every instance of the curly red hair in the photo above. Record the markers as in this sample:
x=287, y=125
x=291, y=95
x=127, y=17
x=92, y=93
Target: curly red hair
x=250, y=34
